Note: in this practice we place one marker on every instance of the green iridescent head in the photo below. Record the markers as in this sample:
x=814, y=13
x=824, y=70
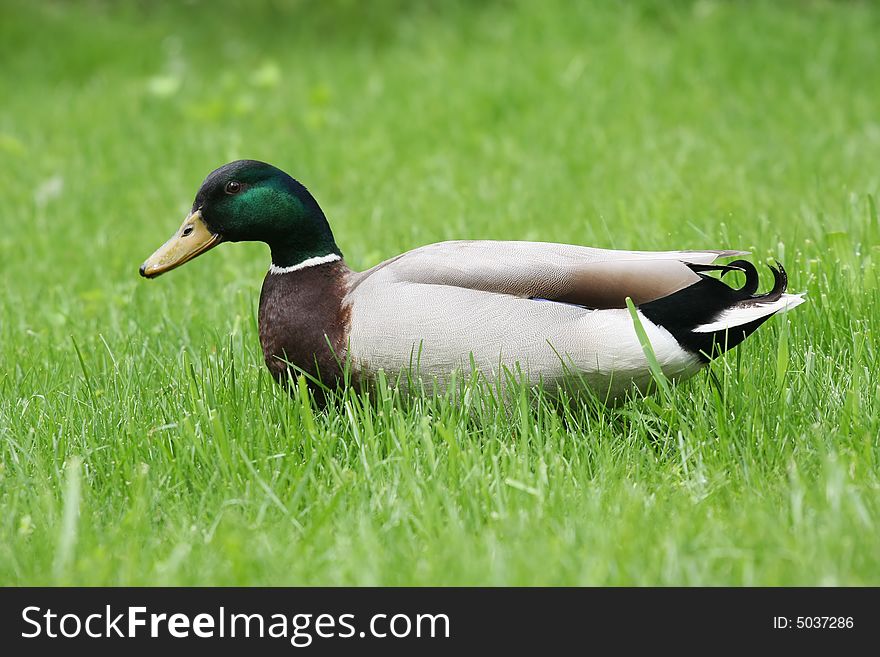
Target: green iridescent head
x=247, y=200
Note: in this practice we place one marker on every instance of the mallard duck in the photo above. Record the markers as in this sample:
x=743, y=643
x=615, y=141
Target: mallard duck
x=544, y=310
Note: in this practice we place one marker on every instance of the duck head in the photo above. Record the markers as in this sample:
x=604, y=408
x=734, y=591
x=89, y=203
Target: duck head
x=247, y=200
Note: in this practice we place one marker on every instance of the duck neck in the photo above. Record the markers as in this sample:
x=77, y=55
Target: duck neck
x=310, y=244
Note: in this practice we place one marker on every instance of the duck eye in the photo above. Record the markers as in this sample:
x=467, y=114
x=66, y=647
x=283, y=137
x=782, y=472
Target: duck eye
x=187, y=231
x=233, y=187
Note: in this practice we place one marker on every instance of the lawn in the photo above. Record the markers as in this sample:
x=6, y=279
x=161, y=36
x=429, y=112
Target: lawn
x=142, y=441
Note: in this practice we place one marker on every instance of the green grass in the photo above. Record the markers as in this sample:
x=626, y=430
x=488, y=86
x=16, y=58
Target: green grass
x=141, y=440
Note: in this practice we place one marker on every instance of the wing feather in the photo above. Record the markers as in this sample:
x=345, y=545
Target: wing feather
x=595, y=278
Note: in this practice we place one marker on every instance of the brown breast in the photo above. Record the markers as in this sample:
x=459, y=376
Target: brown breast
x=304, y=322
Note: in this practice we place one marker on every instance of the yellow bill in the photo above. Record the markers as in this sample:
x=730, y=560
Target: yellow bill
x=192, y=239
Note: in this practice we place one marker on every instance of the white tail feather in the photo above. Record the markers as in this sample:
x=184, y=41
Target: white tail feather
x=743, y=314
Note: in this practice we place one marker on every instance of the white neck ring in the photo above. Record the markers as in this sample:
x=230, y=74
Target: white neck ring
x=305, y=264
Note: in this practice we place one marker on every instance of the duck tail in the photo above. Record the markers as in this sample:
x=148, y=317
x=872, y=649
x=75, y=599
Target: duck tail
x=710, y=317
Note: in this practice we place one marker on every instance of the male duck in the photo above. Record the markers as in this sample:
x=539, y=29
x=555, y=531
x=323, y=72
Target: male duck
x=542, y=309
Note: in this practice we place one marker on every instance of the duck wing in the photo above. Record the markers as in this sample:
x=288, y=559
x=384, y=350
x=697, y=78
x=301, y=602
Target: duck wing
x=593, y=278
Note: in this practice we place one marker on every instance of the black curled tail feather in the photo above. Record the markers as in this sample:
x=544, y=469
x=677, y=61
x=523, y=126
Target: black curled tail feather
x=751, y=284
x=704, y=301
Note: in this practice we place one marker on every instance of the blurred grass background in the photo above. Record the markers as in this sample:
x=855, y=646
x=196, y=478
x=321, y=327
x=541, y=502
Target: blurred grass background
x=647, y=125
